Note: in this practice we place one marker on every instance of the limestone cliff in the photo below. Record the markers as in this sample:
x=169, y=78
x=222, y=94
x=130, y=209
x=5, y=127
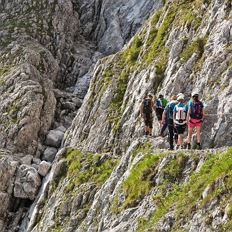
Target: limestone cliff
x=107, y=176
x=44, y=50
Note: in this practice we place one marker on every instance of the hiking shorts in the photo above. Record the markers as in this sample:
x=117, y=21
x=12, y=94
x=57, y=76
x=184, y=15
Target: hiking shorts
x=148, y=120
x=195, y=123
x=180, y=129
x=159, y=113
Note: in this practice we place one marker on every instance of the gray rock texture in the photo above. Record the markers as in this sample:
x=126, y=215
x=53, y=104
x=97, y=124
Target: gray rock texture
x=171, y=54
x=27, y=182
x=49, y=154
x=54, y=138
x=108, y=177
x=112, y=23
x=44, y=168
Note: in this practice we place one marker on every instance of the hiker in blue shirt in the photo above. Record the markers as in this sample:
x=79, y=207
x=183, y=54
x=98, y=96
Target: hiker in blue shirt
x=180, y=115
x=168, y=116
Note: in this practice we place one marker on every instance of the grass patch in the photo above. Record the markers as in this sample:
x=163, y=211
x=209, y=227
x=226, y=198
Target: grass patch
x=138, y=184
x=216, y=167
x=83, y=168
x=160, y=38
x=196, y=46
x=134, y=51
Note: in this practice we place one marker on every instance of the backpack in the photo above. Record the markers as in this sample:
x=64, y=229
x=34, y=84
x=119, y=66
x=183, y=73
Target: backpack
x=170, y=110
x=159, y=103
x=147, y=106
x=180, y=115
x=196, y=110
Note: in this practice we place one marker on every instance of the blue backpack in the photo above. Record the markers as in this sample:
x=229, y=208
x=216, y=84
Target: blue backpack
x=170, y=109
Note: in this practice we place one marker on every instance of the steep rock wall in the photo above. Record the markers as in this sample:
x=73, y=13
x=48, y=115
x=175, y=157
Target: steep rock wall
x=180, y=49
x=184, y=47
x=43, y=51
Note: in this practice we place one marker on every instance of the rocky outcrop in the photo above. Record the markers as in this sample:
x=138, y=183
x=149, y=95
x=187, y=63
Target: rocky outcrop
x=113, y=23
x=112, y=180
x=147, y=191
x=178, y=50
x=44, y=51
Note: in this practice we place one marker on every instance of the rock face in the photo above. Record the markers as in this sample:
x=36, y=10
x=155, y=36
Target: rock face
x=27, y=182
x=180, y=49
x=147, y=190
x=112, y=23
x=46, y=48
x=113, y=180
x=171, y=54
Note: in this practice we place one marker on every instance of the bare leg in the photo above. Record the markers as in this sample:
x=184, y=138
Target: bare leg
x=180, y=139
x=190, y=133
x=198, y=134
x=150, y=131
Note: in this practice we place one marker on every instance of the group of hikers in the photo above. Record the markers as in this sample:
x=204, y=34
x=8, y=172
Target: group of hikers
x=175, y=115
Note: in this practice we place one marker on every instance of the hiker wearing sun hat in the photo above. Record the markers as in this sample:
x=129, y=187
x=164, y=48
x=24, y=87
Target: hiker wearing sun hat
x=195, y=118
x=180, y=115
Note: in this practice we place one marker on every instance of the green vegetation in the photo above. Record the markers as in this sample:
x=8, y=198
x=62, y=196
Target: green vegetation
x=196, y=46
x=134, y=51
x=157, y=45
x=83, y=168
x=174, y=169
x=217, y=167
x=138, y=184
x=4, y=71
x=145, y=148
x=154, y=30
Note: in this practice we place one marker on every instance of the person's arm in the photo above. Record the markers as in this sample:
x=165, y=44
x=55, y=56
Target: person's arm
x=153, y=105
x=174, y=115
x=188, y=113
x=164, y=115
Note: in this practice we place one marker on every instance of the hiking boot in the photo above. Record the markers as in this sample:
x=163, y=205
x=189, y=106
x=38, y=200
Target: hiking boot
x=198, y=146
x=189, y=146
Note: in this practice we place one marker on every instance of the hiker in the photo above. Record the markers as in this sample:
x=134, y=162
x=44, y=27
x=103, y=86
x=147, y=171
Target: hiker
x=168, y=115
x=146, y=111
x=164, y=127
x=161, y=103
x=195, y=118
x=180, y=115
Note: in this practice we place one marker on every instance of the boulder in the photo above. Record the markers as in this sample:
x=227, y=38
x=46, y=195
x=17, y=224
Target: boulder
x=61, y=128
x=27, y=159
x=36, y=161
x=54, y=138
x=49, y=154
x=69, y=105
x=27, y=182
x=44, y=168
x=36, y=166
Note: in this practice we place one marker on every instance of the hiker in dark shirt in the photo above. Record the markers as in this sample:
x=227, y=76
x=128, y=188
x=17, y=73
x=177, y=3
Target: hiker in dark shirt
x=146, y=111
x=168, y=117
